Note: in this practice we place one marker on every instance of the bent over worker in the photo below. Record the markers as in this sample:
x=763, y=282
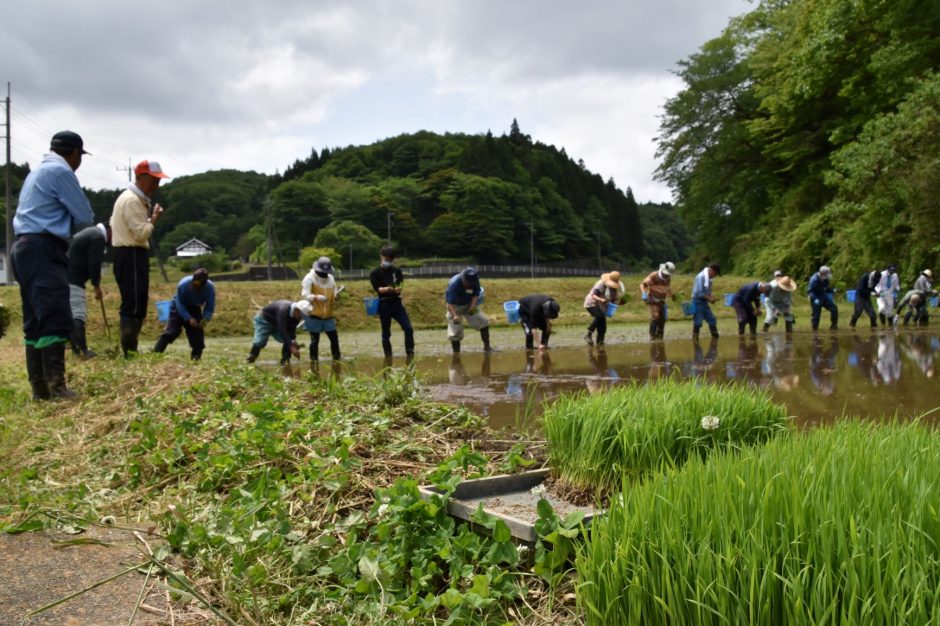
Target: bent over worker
x=462, y=298
x=536, y=312
x=190, y=310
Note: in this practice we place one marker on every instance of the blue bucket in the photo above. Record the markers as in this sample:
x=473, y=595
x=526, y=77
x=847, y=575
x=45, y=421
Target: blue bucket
x=163, y=310
x=850, y=295
x=935, y=301
x=643, y=295
x=512, y=311
x=688, y=308
x=611, y=309
x=728, y=298
x=372, y=306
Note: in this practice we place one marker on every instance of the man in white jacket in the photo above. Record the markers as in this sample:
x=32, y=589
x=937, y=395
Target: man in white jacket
x=319, y=289
x=887, y=289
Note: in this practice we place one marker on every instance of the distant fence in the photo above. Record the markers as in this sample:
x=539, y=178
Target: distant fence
x=507, y=271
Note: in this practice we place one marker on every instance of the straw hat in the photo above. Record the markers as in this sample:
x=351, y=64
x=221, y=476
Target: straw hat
x=928, y=274
x=786, y=283
x=611, y=279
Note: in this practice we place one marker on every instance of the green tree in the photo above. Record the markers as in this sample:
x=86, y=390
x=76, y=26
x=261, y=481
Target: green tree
x=346, y=237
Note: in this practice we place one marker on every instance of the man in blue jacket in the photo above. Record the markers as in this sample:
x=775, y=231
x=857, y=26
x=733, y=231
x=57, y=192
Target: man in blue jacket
x=462, y=298
x=52, y=206
x=820, y=297
x=190, y=310
x=746, y=303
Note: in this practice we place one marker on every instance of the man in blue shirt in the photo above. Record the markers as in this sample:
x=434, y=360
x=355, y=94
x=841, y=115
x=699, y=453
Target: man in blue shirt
x=702, y=298
x=51, y=207
x=190, y=310
x=820, y=297
x=461, y=297
x=746, y=303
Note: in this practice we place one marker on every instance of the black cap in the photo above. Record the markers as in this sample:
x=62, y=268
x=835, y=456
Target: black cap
x=551, y=308
x=470, y=275
x=717, y=268
x=67, y=140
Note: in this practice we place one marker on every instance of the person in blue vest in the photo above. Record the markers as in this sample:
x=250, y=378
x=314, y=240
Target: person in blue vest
x=190, y=310
x=746, y=304
x=702, y=299
x=462, y=300
x=52, y=206
x=820, y=297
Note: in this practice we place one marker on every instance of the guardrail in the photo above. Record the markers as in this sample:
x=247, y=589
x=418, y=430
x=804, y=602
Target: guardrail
x=484, y=270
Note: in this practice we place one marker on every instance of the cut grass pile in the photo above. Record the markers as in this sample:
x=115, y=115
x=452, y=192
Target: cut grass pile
x=597, y=440
x=837, y=525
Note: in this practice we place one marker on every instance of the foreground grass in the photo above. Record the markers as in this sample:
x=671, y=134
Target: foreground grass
x=837, y=525
x=285, y=501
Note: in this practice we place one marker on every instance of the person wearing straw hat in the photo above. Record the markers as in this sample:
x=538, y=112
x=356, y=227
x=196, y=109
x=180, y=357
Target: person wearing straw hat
x=820, y=297
x=191, y=309
x=279, y=319
x=86, y=252
x=863, y=290
x=605, y=291
x=132, y=224
x=537, y=312
x=387, y=281
x=779, y=302
x=924, y=282
x=655, y=288
x=462, y=298
x=51, y=206
x=702, y=299
x=319, y=289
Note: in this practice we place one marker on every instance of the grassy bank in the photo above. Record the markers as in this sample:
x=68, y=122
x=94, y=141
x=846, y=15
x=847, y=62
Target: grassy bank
x=239, y=301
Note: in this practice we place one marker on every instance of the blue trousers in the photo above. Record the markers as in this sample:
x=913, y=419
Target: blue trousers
x=703, y=312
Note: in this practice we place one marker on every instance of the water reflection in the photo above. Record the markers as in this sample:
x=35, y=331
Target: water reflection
x=822, y=364
x=889, y=359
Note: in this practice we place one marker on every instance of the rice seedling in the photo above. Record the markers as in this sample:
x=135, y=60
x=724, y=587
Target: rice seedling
x=594, y=441
x=837, y=525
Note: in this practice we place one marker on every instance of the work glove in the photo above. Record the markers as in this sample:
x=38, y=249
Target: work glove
x=319, y=298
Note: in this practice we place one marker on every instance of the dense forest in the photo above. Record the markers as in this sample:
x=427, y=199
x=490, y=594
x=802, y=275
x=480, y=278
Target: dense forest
x=479, y=197
x=808, y=132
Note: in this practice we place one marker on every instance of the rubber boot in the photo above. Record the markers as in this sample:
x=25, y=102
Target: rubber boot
x=162, y=343
x=695, y=332
x=195, y=355
x=35, y=373
x=333, y=336
x=589, y=338
x=789, y=326
x=128, y=336
x=485, y=336
x=387, y=348
x=765, y=327
x=660, y=328
x=53, y=370
x=884, y=320
x=314, y=346
x=79, y=344
x=741, y=326
x=654, y=327
x=455, y=346
x=714, y=331
x=253, y=353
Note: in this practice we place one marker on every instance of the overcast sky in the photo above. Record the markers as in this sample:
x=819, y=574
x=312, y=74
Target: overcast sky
x=208, y=84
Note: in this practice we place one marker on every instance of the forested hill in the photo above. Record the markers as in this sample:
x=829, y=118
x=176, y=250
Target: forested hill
x=457, y=195
x=480, y=197
x=808, y=132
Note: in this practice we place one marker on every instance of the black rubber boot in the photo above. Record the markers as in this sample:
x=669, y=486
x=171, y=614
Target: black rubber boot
x=387, y=348
x=162, y=343
x=314, y=346
x=695, y=331
x=128, y=336
x=884, y=320
x=485, y=336
x=714, y=331
x=53, y=370
x=333, y=336
x=766, y=327
x=253, y=353
x=789, y=327
x=741, y=328
x=661, y=328
x=35, y=373
x=455, y=346
x=654, y=329
x=79, y=344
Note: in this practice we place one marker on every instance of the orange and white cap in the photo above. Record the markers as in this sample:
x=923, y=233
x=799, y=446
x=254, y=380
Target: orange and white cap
x=151, y=168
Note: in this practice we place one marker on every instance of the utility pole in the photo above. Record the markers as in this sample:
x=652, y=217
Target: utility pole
x=270, y=226
x=390, y=228
x=532, y=248
x=599, y=267
x=350, y=258
x=8, y=199
x=127, y=169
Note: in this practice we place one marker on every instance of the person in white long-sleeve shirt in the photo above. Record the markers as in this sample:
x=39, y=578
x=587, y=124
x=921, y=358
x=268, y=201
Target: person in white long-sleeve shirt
x=887, y=289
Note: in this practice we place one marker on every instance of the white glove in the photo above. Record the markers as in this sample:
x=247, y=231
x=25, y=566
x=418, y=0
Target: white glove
x=317, y=297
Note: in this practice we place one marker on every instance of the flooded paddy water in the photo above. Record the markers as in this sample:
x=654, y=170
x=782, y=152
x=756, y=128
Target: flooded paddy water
x=818, y=377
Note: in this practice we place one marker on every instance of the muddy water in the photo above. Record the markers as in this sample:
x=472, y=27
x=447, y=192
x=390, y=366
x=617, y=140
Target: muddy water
x=817, y=378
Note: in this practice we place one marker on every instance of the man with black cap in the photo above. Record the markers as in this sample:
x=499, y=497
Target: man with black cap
x=51, y=207
x=86, y=253
x=537, y=312
x=190, y=310
x=387, y=280
x=462, y=297
x=132, y=224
